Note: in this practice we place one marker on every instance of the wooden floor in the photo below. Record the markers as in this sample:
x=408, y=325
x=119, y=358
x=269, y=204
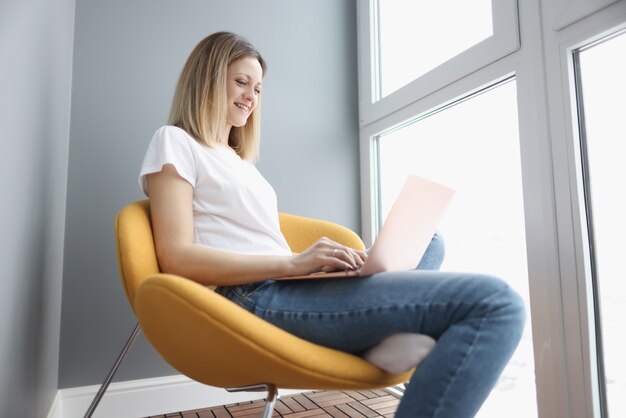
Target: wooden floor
x=330, y=404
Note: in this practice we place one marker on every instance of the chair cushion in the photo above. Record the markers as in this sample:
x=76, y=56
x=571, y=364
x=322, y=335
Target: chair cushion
x=212, y=340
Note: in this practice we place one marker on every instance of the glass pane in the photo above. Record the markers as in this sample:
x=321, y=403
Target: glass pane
x=474, y=148
x=417, y=36
x=602, y=69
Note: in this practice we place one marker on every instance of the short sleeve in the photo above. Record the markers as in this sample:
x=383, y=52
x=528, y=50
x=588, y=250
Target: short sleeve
x=169, y=145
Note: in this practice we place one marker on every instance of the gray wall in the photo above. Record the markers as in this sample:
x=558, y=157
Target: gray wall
x=127, y=58
x=35, y=74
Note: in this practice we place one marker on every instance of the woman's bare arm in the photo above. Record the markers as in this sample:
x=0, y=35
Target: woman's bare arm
x=172, y=224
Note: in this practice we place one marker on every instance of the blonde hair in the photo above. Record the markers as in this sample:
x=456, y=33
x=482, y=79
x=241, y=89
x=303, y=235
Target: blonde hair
x=200, y=101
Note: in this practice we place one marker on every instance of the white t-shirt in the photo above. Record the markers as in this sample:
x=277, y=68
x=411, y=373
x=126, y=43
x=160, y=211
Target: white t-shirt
x=234, y=207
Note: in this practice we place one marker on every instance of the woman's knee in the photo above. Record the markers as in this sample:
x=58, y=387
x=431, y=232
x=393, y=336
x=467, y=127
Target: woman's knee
x=500, y=300
x=434, y=254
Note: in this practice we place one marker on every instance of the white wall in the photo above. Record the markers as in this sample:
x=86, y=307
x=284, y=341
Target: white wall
x=35, y=73
x=127, y=57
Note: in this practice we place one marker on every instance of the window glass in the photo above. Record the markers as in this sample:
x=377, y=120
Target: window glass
x=473, y=146
x=415, y=37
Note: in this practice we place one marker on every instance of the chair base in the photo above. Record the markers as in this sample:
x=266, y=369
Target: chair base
x=272, y=395
x=272, y=392
x=116, y=365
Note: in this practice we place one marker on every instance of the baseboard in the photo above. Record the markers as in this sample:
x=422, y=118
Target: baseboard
x=146, y=397
x=55, y=408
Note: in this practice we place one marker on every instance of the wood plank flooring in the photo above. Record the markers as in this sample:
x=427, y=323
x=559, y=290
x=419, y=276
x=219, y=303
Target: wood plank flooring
x=380, y=403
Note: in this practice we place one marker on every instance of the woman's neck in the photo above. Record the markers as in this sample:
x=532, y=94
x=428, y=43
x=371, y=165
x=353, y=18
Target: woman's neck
x=225, y=134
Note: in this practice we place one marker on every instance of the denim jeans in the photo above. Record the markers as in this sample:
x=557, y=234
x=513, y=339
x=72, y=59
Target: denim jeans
x=477, y=321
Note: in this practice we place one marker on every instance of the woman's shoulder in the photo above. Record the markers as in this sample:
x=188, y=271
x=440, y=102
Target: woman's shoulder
x=173, y=132
x=172, y=139
x=169, y=136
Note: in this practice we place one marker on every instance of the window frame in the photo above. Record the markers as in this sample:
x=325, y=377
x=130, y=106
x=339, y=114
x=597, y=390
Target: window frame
x=580, y=319
x=505, y=40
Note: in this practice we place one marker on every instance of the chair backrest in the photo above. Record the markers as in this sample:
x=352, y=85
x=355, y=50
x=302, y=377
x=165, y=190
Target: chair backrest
x=301, y=232
x=136, y=256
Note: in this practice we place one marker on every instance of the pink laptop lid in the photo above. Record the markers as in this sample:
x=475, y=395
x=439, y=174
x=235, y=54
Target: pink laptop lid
x=409, y=227
x=406, y=233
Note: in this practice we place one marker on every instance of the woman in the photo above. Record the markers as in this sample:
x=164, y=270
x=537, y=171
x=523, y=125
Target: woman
x=215, y=221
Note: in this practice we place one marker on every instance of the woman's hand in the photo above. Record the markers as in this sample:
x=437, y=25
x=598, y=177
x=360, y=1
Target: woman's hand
x=327, y=255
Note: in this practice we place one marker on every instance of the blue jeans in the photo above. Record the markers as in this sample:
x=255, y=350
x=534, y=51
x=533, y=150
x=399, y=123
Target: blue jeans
x=477, y=321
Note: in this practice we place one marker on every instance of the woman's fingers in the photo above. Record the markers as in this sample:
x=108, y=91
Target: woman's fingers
x=334, y=256
x=353, y=258
x=345, y=255
x=361, y=256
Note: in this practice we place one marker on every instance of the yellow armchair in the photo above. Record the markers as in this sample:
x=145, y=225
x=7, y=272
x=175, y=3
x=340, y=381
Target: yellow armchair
x=212, y=340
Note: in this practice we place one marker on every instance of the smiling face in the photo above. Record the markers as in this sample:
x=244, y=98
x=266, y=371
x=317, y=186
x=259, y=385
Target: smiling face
x=243, y=90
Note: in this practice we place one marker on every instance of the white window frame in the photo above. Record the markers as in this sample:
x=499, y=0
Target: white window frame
x=557, y=244
x=580, y=24
x=505, y=39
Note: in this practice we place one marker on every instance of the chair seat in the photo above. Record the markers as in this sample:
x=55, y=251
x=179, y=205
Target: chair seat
x=212, y=340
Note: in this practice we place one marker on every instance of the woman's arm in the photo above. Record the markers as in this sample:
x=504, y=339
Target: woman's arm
x=172, y=223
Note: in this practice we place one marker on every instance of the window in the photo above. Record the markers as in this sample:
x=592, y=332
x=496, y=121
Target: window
x=601, y=91
x=418, y=81
x=484, y=226
x=401, y=23
x=409, y=53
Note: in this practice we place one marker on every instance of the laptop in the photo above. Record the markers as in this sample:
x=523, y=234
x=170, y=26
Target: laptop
x=406, y=233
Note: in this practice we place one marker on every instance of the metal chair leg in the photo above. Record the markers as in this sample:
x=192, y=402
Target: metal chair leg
x=116, y=365
x=272, y=395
